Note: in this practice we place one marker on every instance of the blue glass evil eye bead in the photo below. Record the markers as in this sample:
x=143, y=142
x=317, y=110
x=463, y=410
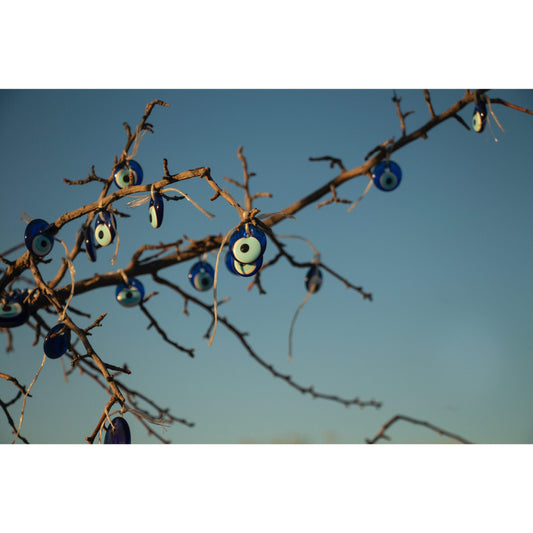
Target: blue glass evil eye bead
x=38, y=238
x=243, y=269
x=479, y=117
x=57, y=341
x=90, y=248
x=14, y=312
x=104, y=228
x=128, y=174
x=130, y=294
x=387, y=176
x=202, y=276
x=313, y=279
x=118, y=432
x=247, y=247
x=156, y=210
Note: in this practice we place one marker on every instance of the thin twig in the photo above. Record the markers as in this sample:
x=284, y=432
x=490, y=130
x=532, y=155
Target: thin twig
x=161, y=331
x=287, y=378
x=26, y=396
x=387, y=425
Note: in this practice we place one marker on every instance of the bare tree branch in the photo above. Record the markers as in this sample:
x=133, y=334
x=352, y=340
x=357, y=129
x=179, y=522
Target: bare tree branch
x=394, y=419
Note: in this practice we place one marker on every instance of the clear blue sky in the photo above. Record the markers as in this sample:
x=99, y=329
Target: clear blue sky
x=447, y=257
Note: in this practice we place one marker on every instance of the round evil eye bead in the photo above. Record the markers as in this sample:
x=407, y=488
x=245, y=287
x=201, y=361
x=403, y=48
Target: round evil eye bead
x=118, y=432
x=202, y=276
x=130, y=294
x=313, y=279
x=38, y=238
x=104, y=228
x=387, y=176
x=479, y=117
x=57, y=341
x=247, y=247
x=14, y=312
x=90, y=248
x=128, y=174
x=243, y=269
x=156, y=210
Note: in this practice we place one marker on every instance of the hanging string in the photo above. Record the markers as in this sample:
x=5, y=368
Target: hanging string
x=114, y=258
x=215, y=283
x=316, y=254
x=138, y=138
x=495, y=118
x=140, y=200
x=309, y=293
x=107, y=415
x=368, y=187
x=124, y=276
x=315, y=261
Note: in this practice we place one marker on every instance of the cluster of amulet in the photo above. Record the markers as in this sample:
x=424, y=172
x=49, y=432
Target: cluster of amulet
x=246, y=248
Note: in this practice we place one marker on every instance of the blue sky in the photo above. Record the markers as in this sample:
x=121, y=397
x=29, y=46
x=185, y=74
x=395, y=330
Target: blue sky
x=447, y=257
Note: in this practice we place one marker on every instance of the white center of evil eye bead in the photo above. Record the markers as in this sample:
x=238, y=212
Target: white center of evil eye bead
x=103, y=234
x=388, y=180
x=126, y=177
x=477, y=122
x=129, y=296
x=245, y=269
x=203, y=281
x=10, y=310
x=41, y=245
x=246, y=249
x=153, y=217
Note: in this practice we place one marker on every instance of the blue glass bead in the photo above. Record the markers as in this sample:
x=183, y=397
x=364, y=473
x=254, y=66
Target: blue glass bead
x=128, y=174
x=130, y=294
x=118, y=432
x=156, y=210
x=243, y=269
x=14, y=312
x=479, y=117
x=202, y=276
x=313, y=279
x=38, y=238
x=104, y=228
x=90, y=248
x=57, y=341
x=247, y=248
x=387, y=176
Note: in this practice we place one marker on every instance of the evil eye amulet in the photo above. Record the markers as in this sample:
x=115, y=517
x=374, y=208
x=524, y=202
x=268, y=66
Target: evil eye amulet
x=118, y=432
x=90, y=248
x=128, y=174
x=57, y=341
x=130, y=294
x=202, y=276
x=479, y=117
x=104, y=228
x=156, y=210
x=313, y=279
x=387, y=176
x=243, y=269
x=247, y=247
x=38, y=238
x=14, y=312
